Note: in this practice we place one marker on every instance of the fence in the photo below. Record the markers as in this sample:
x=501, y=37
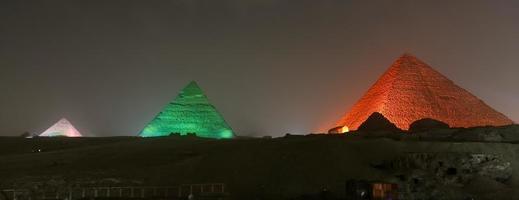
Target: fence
x=142, y=192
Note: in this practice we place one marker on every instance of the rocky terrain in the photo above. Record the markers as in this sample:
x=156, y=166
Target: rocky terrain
x=434, y=163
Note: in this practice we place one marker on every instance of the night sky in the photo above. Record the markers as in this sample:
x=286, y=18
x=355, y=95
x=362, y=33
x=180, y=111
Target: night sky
x=270, y=67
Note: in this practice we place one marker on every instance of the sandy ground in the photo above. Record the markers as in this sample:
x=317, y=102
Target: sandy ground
x=280, y=168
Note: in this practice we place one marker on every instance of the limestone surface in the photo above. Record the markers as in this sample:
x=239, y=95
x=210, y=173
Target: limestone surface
x=190, y=113
x=411, y=90
x=61, y=128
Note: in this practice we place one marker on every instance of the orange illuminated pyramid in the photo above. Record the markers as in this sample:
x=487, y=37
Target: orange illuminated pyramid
x=411, y=90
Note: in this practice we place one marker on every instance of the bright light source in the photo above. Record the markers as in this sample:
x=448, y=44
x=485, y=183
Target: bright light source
x=344, y=129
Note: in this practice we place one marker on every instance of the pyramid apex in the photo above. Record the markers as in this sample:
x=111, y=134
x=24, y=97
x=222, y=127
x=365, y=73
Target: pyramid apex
x=192, y=88
x=409, y=60
x=192, y=84
x=407, y=55
x=63, y=119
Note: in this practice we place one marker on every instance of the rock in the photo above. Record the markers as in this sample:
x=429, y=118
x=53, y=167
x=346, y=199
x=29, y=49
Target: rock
x=26, y=134
x=487, y=188
x=491, y=166
x=427, y=124
x=510, y=133
x=486, y=134
x=377, y=122
x=438, y=173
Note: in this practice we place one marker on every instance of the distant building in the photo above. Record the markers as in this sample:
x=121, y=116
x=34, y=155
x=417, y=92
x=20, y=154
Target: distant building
x=411, y=90
x=373, y=190
x=61, y=128
x=190, y=113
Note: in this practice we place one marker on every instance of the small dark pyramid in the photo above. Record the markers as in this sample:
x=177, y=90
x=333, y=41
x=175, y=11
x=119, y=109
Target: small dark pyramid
x=377, y=122
x=427, y=124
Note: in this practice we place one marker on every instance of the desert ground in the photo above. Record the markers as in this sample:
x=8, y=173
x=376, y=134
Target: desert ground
x=254, y=168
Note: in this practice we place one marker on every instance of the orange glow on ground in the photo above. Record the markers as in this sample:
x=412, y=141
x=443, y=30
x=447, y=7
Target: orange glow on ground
x=344, y=129
x=339, y=130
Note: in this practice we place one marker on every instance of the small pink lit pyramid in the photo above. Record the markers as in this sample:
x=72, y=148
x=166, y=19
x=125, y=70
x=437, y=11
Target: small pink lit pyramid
x=62, y=128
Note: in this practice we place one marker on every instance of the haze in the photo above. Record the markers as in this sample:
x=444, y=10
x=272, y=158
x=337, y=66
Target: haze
x=270, y=67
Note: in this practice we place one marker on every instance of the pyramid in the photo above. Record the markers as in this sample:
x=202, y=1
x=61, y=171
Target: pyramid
x=190, y=112
x=411, y=90
x=61, y=128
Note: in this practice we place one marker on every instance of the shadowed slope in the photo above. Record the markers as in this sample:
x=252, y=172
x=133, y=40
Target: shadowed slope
x=377, y=122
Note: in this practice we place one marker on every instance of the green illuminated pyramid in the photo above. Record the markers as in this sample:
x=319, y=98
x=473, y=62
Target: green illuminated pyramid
x=190, y=112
